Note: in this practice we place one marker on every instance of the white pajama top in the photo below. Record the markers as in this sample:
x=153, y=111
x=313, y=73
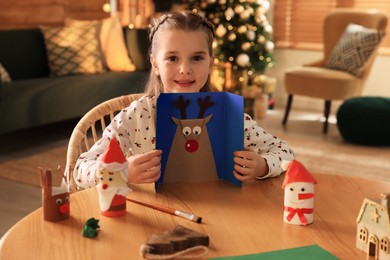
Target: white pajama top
x=135, y=129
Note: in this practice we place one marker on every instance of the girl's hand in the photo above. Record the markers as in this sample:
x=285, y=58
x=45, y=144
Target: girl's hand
x=249, y=165
x=144, y=168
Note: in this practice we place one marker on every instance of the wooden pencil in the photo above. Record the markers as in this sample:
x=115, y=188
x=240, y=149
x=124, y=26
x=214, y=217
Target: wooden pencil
x=168, y=210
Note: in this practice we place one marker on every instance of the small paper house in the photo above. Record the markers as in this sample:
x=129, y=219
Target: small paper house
x=373, y=227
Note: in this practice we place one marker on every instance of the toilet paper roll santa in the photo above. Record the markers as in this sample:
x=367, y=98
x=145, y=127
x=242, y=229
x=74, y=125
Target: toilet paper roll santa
x=298, y=185
x=112, y=181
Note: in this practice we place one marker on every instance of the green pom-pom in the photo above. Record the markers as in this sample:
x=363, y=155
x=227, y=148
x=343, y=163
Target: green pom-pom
x=90, y=228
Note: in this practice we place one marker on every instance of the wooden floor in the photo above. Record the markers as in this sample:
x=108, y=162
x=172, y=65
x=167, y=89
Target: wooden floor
x=319, y=153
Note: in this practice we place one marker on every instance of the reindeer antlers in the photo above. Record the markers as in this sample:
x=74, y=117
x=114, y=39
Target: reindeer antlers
x=204, y=104
x=182, y=105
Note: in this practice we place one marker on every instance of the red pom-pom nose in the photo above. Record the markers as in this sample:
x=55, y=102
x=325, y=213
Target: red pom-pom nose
x=192, y=145
x=104, y=186
x=64, y=209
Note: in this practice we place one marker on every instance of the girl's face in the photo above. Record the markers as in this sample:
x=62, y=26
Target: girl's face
x=182, y=61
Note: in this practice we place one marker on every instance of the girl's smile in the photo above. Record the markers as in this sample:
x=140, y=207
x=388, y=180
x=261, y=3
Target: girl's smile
x=184, y=83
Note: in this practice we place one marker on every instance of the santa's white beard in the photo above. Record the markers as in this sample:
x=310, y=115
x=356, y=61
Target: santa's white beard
x=107, y=195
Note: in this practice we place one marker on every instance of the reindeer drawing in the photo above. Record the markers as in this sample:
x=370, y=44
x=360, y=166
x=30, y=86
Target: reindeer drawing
x=191, y=157
x=55, y=200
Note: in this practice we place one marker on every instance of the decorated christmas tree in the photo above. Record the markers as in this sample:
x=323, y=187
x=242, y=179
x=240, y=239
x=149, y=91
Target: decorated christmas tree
x=244, y=35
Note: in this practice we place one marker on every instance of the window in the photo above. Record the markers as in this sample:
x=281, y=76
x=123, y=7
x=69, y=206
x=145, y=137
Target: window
x=298, y=23
x=384, y=246
x=363, y=234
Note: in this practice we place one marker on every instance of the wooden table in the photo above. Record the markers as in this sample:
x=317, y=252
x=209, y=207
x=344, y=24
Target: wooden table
x=238, y=221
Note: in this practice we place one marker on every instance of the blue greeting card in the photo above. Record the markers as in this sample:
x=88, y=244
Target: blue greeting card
x=198, y=134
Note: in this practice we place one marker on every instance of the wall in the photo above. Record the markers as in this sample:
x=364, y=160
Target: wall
x=378, y=83
x=33, y=13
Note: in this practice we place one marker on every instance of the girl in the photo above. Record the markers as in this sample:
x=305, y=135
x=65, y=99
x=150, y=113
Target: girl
x=182, y=60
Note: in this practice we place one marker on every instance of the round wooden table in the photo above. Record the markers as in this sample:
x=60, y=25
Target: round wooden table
x=238, y=221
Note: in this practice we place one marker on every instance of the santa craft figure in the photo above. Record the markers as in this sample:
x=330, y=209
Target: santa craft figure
x=298, y=185
x=112, y=181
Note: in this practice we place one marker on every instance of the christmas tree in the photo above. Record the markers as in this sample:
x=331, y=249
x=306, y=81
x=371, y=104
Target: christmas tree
x=243, y=33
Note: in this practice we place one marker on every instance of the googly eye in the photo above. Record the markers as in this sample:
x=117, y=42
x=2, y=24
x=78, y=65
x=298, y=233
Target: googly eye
x=197, y=130
x=58, y=201
x=186, y=130
x=66, y=199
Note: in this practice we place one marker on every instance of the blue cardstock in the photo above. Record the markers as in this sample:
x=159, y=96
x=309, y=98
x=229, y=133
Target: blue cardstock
x=225, y=128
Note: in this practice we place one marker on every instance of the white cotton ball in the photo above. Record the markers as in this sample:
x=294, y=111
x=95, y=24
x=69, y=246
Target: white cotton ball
x=229, y=12
x=220, y=31
x=285, y=165
x=245, y=46
x=232, y=37
x=269, y=46
x=245, y=15
x=242, y=29
x=239, y=9
x=243, y=60
x=251, y=35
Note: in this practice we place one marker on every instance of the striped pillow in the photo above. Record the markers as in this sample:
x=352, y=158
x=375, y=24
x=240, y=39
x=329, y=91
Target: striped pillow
x=354, y=49
x=73, y=49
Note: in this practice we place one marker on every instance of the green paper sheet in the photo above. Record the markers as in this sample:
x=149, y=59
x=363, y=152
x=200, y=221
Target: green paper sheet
x=302, y=253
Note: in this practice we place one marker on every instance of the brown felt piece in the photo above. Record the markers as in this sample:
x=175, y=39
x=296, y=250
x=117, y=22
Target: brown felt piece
x=160, y=244
x=194, y=238
x=181, y=238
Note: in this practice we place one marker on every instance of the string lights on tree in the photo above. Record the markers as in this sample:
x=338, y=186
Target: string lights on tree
x=244, y=35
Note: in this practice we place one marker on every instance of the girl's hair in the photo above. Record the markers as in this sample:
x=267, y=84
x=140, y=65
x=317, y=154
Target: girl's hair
x=188, y=21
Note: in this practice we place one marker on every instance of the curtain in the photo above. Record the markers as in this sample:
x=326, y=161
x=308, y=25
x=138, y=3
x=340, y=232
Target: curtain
x=298, y=23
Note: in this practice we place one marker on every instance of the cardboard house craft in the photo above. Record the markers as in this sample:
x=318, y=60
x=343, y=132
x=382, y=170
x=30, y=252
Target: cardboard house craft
x=198, y=134
x=373, y=227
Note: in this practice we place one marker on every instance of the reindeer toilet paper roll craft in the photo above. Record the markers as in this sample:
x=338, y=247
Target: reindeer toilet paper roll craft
x=112, y=181
x=298, y=185
x=55, y=200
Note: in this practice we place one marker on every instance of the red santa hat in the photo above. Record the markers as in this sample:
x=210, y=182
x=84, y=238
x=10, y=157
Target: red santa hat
x=113, y=159
x=296, y=172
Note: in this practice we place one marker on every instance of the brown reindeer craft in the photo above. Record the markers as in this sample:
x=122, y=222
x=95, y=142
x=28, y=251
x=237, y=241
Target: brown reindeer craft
x=192, y=139
x=198, y=133
x=55, y=200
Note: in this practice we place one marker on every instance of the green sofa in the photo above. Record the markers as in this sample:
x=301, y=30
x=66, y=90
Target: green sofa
x=34, y=98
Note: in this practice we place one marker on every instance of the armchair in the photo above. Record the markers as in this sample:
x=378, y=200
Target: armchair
x=338, y=75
